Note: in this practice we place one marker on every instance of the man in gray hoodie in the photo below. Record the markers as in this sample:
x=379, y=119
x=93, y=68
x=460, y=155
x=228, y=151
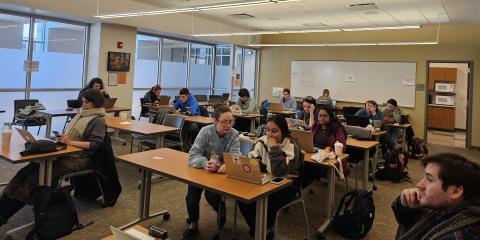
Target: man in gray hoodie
x=207, y=153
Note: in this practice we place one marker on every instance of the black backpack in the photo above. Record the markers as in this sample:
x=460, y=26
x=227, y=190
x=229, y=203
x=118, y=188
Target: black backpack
x=355, y=214
x=55, y=213
x=395, y=166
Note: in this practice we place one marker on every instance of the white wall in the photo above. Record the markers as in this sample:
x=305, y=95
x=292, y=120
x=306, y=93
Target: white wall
x=461, y=92
x=104, y=38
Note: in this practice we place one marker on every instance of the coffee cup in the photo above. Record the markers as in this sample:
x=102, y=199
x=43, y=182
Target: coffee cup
x=123, y=116
x=215, y=159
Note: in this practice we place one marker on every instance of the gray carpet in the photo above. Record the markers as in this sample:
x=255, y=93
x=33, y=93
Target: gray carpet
x=170, y=195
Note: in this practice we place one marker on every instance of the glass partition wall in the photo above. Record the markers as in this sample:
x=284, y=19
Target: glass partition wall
x=58, y=46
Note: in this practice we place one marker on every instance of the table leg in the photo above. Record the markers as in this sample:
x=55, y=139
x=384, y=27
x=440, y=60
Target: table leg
x=261, y=218
x=49, y=172
x=404, y=138
x=41, y=173
x=252, y=125
x=48, y=126
x=159, y=143
x=366, y=162
x=330, y=201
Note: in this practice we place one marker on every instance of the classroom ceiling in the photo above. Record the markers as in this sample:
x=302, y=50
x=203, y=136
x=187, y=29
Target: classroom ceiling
x=326, y=14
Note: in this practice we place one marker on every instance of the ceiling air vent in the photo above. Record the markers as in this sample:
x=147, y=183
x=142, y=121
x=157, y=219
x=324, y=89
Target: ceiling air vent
x=242, y=16
x=315, y=25
x=362, y=7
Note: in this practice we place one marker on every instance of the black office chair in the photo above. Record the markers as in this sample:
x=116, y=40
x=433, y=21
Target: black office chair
x=201, y=98
x=90, y=172
x=144, y=112
x=20, y=104
x=170, y=139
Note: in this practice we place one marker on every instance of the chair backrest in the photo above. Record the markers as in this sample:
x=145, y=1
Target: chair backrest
x=174, y=120
x=215, y=99
x=22, y=103
x=246, y=145
x=201, y=98
x=225, y=97
x=73, y=103
x=350, y=110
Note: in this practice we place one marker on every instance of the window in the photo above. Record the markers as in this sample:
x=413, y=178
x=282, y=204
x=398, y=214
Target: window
x=223, y=70
x=200, y=66
x=60, y=50
x=174, y=63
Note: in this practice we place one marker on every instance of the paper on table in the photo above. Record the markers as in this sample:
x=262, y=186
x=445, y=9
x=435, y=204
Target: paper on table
x=159, y=158
x=134, y=232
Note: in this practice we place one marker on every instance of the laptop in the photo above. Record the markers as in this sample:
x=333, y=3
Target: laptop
x=201, y=98
x=304, y=139
x=163, y=100
x=350, y=110
x=109, y=103
x=26, y=135
x=359, y=132
x=353, y=120
x=245, y=168
x=129, y=234
x=276, y=107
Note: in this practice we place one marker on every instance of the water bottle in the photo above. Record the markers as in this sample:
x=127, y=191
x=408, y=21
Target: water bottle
x=6, y=133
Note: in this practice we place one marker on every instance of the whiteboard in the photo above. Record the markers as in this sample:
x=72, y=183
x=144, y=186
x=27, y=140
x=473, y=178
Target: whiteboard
x=351, y=81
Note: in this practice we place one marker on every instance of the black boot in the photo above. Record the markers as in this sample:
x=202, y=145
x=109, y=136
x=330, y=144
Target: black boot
x=10, y=206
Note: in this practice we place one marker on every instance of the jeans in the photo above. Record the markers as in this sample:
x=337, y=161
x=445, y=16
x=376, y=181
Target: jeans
x=193, y=202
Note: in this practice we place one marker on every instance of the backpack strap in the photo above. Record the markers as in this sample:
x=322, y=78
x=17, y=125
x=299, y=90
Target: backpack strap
x=73, y=210
x=43, y=208
x=341, y=206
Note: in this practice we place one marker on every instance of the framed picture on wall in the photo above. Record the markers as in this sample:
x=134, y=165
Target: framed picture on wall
x=118, y=62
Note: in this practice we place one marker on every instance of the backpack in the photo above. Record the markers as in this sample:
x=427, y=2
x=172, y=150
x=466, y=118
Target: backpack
x=55, y=213
x=355, y=214
x=395, y=166
x=418, y=148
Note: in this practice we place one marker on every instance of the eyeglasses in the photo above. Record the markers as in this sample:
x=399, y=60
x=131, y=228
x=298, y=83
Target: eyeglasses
x=227, y=122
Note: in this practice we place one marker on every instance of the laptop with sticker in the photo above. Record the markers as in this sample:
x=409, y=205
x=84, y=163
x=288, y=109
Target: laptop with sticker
x=245, y=168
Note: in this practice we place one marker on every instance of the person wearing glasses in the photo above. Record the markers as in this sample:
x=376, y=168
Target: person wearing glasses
x=207, y=153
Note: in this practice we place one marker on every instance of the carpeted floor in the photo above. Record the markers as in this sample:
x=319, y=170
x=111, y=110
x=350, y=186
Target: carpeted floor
x=170, y=195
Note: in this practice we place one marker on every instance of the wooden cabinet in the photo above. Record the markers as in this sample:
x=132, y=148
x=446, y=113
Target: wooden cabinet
x=441, y=117
x=441, y=74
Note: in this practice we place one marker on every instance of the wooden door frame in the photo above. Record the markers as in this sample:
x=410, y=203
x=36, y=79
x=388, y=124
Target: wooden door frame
x=470, y=63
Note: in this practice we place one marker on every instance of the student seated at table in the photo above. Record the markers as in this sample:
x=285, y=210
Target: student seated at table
x=152, y=95
x=86, y=131
x=444, y=204
x=371, y=111
x=326, y=132
x=289, y=103
x=187, y=100
x=95, y=83
x=279, y=156
x=247, y=103
x=325, y=98
x=210, y=144
x=309, y=114
x=391, y=114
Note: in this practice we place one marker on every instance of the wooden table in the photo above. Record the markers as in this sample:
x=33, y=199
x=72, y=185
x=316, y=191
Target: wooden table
x=51, y=113
x=404, y=129
x=174, y=164
x=202, y=120
x=156, y=106
x=285, y=113
x=251, y=117
x=364, y=145
x=330, y=163
x=10, y=152
x=142, y=128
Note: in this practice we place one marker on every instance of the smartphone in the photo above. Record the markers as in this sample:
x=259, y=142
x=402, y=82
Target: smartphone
x=277, y=180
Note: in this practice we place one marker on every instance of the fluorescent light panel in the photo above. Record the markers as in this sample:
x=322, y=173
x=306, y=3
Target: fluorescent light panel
x=344, y=44
x=194, y=9
x=301, y=31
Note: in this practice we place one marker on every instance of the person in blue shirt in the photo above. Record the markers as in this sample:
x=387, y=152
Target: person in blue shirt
x=187, y=100
x=371, y=111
